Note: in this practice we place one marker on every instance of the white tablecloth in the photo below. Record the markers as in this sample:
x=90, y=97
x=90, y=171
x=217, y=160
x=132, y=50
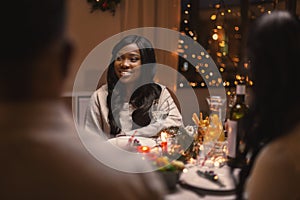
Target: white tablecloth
x=182, y=193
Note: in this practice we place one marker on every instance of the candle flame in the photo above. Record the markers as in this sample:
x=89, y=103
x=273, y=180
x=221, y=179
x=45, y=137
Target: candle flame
x=163, y=136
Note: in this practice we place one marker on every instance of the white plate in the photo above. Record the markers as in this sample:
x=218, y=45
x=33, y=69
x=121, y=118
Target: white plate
x=122, y=141
x=191, y=178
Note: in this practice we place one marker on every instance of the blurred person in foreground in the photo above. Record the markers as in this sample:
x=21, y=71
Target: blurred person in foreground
x=273, y=138
x=41, y=154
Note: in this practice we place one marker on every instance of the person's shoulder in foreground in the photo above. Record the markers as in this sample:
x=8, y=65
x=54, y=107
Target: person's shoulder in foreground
x=43, y=158
x=41, y=154
x=276, y=173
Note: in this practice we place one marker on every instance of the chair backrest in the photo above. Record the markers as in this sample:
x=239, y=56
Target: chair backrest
x=102, y=79
x=174, y=97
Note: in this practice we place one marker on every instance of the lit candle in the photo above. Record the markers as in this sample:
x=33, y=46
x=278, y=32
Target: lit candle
x=164, y=143
x=143, y=149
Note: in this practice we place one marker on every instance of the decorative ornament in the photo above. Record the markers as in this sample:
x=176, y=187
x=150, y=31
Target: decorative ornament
x=104, y=5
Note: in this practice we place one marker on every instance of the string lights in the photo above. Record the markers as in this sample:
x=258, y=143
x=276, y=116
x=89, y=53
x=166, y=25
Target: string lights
x=223, y=45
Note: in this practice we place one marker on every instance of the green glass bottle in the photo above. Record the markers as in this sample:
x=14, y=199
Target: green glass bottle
x=236, y=146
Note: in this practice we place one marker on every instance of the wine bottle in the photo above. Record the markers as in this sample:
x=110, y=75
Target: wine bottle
x=235, y=130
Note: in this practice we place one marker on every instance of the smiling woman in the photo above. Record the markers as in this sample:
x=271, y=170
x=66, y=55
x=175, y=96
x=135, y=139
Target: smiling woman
x=127, y=64
x=121, y=106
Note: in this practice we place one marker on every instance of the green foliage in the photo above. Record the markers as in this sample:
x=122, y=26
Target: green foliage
x=104, y=5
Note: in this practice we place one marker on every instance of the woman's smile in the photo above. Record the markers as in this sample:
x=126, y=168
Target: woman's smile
x=127, y=64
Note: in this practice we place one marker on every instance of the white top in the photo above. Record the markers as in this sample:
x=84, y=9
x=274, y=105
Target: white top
x=96, y=118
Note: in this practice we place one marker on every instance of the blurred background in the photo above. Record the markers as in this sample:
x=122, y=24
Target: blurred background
x=220, y=26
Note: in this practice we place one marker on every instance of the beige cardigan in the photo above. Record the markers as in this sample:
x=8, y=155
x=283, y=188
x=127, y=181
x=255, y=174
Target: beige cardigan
x=96, y=118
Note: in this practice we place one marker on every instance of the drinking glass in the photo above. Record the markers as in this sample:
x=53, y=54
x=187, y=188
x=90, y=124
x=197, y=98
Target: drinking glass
x=159, y=111
x=217, y=105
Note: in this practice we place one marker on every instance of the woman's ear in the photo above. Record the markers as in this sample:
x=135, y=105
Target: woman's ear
x=67, y=53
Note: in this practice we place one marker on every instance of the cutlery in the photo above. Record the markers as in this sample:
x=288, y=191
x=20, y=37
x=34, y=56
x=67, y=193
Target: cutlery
x=211, y=176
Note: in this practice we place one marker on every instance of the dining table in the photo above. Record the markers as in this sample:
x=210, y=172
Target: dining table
x=194, y=187
x=205, y=178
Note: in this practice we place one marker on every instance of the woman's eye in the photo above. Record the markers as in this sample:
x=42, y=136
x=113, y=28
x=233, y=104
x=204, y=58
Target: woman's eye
x=135, y=59
x=118, y=58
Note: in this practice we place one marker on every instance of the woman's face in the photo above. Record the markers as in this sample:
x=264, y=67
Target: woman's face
x=127, y=65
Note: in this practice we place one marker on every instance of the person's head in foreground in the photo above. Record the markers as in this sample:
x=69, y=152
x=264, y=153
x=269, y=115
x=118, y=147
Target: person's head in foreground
x=34, y=51
x=41, y=154
x=273, y=123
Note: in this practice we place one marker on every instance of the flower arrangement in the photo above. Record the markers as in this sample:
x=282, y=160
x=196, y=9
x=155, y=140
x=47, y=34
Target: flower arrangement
x=169, y=170
x=165, y=164
x=104, y=5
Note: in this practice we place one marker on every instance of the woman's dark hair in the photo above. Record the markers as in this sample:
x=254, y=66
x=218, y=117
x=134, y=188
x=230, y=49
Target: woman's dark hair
x=274, y=52
x=141, y=98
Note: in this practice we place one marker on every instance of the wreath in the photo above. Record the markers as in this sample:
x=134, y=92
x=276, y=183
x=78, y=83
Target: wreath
x=104, y=5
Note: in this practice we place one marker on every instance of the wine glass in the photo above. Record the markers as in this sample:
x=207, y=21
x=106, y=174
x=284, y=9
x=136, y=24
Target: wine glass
x=159, y=111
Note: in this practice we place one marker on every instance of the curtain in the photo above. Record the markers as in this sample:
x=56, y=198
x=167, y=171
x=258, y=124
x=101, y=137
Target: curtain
x=155, y=13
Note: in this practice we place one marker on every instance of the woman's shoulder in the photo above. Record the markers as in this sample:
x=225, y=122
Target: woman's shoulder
x=102, y=90
x=276, y=170
x=161, y=85
x=283, y=151
x=100, y=94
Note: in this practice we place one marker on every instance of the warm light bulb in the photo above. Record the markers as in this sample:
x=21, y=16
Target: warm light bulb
x=193, y=84
x=222, y=43
x=215, y=36
x=213, y=17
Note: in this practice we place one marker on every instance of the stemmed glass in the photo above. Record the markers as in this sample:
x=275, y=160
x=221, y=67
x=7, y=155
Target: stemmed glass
x=159, y=111
x=214, y=139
